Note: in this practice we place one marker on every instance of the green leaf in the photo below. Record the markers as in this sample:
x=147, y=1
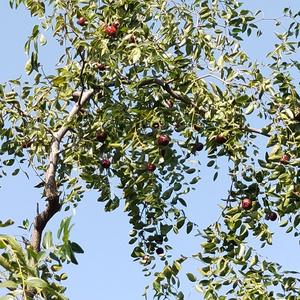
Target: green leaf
x=28, y=67
x=48, y=240
x=8, y=284
x=76, y=248
x=189, y=227
x=191, y=277
x=36, y=282
x=135, y=55
x=167, y=194
x=8, y=222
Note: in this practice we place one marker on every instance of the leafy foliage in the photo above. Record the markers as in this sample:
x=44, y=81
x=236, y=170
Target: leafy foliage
x=144, y=82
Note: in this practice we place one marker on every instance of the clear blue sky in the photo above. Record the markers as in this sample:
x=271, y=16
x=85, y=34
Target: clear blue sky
x=106, y=270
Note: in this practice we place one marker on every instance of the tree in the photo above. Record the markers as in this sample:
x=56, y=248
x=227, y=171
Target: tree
x=140, y=89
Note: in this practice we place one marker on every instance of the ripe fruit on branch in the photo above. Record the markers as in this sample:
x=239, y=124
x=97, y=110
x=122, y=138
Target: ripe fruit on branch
x=246, y=203
x=155, y=125
x=198, y=147
x=197, y=127
x=132, y=39
x=272, y=216
x=284, y=159
x=151, y=167
x=105, y=163
x=163, y=140
x=101, y=136
x=160, y=251
x=82, y=21
x=111, y=30
x=101, y=67
x=26, y=144
x=220, y=139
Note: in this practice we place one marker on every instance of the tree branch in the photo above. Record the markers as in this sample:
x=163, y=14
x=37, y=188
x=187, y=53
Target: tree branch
x=51, y=192
x=187, y=101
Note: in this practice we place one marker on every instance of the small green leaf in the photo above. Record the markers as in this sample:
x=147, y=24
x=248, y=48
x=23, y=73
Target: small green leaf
x=8, y=222
x=135, y=55
x=191, y=277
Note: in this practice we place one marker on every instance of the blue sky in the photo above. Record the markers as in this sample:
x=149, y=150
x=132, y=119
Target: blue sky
x=106, y=270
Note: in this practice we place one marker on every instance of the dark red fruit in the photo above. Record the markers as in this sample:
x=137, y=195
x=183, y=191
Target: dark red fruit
x=101, y=136
x=26, y=144
x=197, y=127
x=132, y=39
x=82, y=21
x=160, y=251
x=220, y=139
x=198, y=147
x=246, y=203
x=155, y=125
x=110, y=30
x=105, y=163
x=285, y=158
x=101, y=67
x=272, y=216
x=163, y=140
x=151, y=167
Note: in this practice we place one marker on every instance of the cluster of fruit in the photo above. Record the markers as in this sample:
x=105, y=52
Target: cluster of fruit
x=247, y=204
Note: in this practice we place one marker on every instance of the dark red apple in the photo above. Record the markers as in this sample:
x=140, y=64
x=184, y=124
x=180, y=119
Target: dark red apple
x=163, y=140
x=272, y=216
x=82, y=21
x=105, y=163
x=101, y=136
x=151, y=167
x=111, y=30
x=284, y=159
x=220, y=139
x=246, y=203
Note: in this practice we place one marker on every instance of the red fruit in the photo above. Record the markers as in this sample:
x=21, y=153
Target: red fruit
x=220, y=139
x=169, y=103
x=101, y=67
x=105, y=163
x=151, y=167
x=101, y=136
x=132, y=39
x=26, y=144
x=197, y=127
x=160, y=251
x=110, y=30
x=163, y=140
x=155, y=125
x=285, y=158
x=246, y=203
x=198, y=147
x=272, y=216
x=82, y=21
